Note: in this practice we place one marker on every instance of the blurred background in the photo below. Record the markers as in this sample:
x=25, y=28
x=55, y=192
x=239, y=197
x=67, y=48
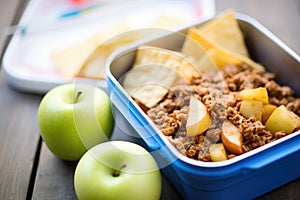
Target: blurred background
x=268, y=9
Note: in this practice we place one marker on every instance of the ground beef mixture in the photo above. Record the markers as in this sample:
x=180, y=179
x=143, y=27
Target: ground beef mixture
x=218, y=91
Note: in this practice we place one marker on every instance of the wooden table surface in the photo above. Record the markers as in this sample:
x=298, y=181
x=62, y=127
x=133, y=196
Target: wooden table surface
x=27, y=168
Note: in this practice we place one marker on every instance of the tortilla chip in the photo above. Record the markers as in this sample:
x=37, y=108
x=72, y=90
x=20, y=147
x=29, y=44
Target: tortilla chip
x=87, y=59
x=154, y=55
x=219, y=55
x=225, y=32
x=154, y=71
x=69, y=61
x=94, y=65
x=149, y=83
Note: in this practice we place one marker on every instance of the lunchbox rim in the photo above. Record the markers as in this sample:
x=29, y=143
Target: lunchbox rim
x=248, y=155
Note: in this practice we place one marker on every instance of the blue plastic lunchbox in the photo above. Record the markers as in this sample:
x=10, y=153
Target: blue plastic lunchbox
x=244, y=177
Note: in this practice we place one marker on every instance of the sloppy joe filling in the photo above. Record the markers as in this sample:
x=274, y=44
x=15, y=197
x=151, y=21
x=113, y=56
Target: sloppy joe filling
x=218, y=91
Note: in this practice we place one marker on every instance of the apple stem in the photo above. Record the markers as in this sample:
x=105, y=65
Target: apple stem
x=117, y=172
x=77, y=96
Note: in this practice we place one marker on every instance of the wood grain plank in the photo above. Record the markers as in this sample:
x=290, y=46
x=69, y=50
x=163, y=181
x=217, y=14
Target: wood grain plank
x=288, y=191
x=19, y=140
x=54, y=178
x=18, y=130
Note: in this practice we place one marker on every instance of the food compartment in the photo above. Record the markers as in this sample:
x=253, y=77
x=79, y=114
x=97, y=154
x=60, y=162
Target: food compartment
x=214, y=180
x=238, y=100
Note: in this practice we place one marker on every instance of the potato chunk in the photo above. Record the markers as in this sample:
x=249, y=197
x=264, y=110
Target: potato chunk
x=268, y=110
x=252, y=108
x=282, y=119
x=257, y=94
x=218, y=152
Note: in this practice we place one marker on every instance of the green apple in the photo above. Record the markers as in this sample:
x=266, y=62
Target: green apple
x=73, y=118
x=117, y=170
